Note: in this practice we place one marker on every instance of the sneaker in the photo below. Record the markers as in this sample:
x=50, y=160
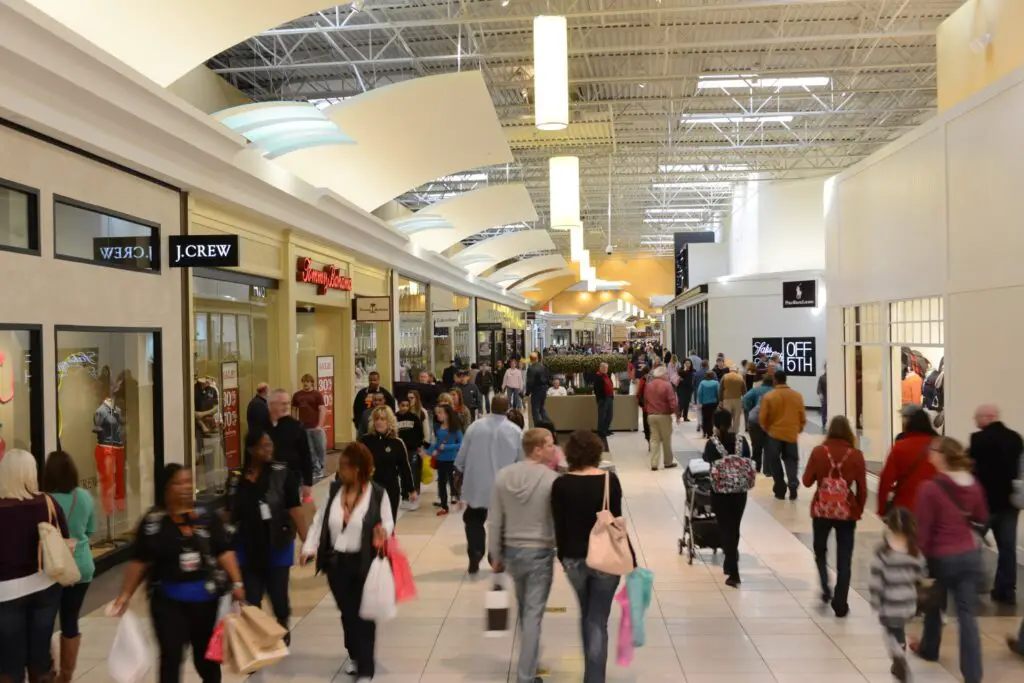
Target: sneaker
x=899, y=670
x=410, y=506
x=671, y=465
x=654, y=469
x=826, y=597
x=350, y=668
x=792, y=495
x=442, y=512
x=915, y=647
x=436, y=504
x=841, y=611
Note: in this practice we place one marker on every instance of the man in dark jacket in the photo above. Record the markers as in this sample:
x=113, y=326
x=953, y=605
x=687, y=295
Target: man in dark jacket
x=364, y=398
x=605, y=396
x=291, y=445
x=448, y=376
x=485, y=382
x=470, y=393
x=996, y=450
x=257, y=413
x=537, y=383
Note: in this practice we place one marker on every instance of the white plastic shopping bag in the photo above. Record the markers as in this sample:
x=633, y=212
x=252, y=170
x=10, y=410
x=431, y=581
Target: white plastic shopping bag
x=498, y=608
x=379, y=592
x=131, y=656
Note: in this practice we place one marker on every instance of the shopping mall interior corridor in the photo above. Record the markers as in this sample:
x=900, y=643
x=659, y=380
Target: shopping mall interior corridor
x=771, y=630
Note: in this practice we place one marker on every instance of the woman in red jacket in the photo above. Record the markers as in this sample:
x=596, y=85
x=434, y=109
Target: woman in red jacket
x=908, y=465
x=836, y=467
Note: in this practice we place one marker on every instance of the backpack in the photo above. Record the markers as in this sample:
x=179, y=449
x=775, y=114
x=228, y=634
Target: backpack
x=832, y=501
x=732, y=473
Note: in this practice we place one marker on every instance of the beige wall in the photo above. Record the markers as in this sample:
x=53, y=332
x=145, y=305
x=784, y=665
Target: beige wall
x=965, y=64
x=207, y=91
x=42, y=290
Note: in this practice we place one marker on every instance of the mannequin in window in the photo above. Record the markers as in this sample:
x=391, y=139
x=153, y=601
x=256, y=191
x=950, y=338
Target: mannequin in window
x=107, y=425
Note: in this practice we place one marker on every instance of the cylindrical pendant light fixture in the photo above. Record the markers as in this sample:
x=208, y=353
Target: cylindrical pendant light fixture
x=576, y=242
x=564, y=192
x=550, y=72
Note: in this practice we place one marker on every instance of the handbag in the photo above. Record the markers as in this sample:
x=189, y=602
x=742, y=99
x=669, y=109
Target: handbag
x=264, y=628
x=498, y=608
x=55, y=558
x=608, y=549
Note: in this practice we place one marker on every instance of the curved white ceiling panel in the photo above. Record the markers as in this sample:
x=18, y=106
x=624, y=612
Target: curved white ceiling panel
x=280, y=128
x=527, y=285
x=515, y=272
x=471, y=212
x=406, y=134
x=493, y=250
x=165, y=39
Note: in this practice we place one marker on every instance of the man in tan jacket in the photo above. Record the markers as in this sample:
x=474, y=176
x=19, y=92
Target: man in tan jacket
x=783, y=418
x=733, y=386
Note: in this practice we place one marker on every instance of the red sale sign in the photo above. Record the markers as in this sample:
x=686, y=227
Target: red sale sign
x=325, y=385
x=229, y=415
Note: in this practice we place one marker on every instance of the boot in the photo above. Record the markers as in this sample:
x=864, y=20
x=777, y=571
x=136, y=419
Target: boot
x=68, y=658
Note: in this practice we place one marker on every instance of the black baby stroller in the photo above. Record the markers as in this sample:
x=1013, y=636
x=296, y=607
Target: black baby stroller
x=700, y=526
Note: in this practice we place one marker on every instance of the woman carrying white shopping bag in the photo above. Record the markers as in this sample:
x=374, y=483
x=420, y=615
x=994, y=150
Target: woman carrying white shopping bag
x=346, y=539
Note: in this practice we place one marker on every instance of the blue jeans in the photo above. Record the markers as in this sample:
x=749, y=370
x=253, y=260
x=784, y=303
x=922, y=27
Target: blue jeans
x=595, y=591
x=538, y=397
x=26, y=626
x=531, y=570
x=318, y=450
x=515, y=398
x=782, y=459
x=959, y=576
x=1004, y=528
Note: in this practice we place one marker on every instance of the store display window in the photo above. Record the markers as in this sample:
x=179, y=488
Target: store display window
x=20, y=390
x=864, y=353
x=234, y=340
x=366, y=351
x=109, y=419
x=413, y=336
x=103, y=237
x=19, y=218
x=917, y=358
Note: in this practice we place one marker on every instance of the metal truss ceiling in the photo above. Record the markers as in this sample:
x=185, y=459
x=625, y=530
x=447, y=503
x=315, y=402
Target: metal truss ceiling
x=634, y=67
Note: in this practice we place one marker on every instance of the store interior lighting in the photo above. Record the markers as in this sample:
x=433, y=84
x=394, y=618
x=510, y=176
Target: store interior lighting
x=679, y=209
x=679, y=219
x=754, y=83
x=701, y=168
x=576, y=242
x=551, y=72
x=564, y=192
x=693, y=185
x=737, y=119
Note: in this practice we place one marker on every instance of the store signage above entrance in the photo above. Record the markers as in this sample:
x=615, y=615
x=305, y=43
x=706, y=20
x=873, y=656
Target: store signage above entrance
x=766, y=347
x=445, y=318
x=328, y=277
x=798, y=354
x=134, y=252
x=204, y=251
x=372, y=309
x=800, y=294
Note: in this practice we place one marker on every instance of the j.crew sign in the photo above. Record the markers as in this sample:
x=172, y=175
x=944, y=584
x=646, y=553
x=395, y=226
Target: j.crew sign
x=328, y=277
x=204, y=251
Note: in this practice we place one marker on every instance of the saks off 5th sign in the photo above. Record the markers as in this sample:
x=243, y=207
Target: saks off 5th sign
x=799, y=354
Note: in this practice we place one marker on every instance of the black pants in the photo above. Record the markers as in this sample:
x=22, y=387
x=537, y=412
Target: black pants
x=71, y=599
x=178, y=625
x=445, y=478
x=757, y=437
x=416, y=463
x=845, y=532
x=783, y=459
x=707, y=413
x=646, y=425
x=486, y=394
x=346, y=578
x=728, y=508
x=684, y=393
x=537, y=410
x=272, y=582
x=605, y=409
x=476, y=535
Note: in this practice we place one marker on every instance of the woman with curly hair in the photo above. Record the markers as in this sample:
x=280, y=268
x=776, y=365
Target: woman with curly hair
x=391, y=468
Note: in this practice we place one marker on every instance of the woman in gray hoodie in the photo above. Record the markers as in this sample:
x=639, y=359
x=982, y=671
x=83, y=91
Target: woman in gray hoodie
x=521, y=539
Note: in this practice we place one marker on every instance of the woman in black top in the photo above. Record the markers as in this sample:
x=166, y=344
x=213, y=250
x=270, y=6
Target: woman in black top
x=391, y=468
x=684, y=389
x=184, y=553
x=576, y=498
x=728, y=507
x=265, y=509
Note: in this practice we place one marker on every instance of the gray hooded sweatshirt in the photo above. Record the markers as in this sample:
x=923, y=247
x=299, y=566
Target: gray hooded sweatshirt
x=520, y=511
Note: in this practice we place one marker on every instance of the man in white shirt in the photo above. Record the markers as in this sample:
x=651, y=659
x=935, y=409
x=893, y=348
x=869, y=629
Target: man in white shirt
x=556, y=388
x=490, y=443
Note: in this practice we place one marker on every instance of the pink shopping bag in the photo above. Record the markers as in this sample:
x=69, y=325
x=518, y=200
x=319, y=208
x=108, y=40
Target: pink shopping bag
x=215, y=649
x=405, y=585
x=624, y=648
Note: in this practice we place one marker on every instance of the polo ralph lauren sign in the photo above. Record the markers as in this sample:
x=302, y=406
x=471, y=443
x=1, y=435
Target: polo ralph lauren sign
x=800, y=294
x=204, y=251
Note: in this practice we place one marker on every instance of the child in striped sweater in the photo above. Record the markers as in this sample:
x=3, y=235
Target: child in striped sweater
x=897, y=569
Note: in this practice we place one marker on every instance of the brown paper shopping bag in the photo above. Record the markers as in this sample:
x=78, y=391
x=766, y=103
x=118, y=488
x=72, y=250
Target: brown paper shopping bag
x=263, y=627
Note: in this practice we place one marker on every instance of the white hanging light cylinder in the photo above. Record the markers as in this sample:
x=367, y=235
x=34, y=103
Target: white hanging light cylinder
x=576, y=242
x=550, y=72
x=564, y=192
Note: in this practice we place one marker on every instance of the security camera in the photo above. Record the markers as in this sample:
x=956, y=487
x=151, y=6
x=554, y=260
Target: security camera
x=609, y=249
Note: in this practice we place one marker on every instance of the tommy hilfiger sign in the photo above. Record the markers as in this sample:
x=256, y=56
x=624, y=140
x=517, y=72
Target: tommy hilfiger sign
x=328, y=277
x=800, y=294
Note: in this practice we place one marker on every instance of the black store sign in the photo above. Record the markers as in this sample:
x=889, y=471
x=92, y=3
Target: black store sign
x=799, y=354
x=134, y=252
x=800, y=294
x=204, y=251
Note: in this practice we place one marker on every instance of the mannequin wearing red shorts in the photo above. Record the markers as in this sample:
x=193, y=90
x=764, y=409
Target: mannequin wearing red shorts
x=108, y=422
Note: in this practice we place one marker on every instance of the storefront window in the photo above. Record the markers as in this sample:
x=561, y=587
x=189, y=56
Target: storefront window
x=917, y=358
x=20, y=421
x=365, y=352
x=864, y=356
x=234, y=342
x=108, y=419
x=94, y=235
x=413, y=336
x=19, y=218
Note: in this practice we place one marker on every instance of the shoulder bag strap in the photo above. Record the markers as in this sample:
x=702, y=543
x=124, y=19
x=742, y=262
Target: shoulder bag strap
x=954, y=499
x=51, y=511
x=607, y=491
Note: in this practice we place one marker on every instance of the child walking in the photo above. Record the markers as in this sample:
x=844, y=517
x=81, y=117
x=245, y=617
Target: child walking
x=896, y=570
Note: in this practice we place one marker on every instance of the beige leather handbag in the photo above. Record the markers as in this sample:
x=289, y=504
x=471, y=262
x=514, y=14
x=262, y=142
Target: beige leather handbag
x=608, y=550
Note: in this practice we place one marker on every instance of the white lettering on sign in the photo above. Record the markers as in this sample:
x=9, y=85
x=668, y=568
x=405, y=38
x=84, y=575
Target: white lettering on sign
x=202, y=251
x=126, y=253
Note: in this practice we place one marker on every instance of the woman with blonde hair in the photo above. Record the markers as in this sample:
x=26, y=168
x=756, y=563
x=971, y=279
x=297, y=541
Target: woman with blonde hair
x=951, y=516
x=29, y=599
x=391, y=465
x=416, y=408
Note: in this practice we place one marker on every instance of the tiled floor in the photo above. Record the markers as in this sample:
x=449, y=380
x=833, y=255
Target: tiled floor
x=771, y=630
